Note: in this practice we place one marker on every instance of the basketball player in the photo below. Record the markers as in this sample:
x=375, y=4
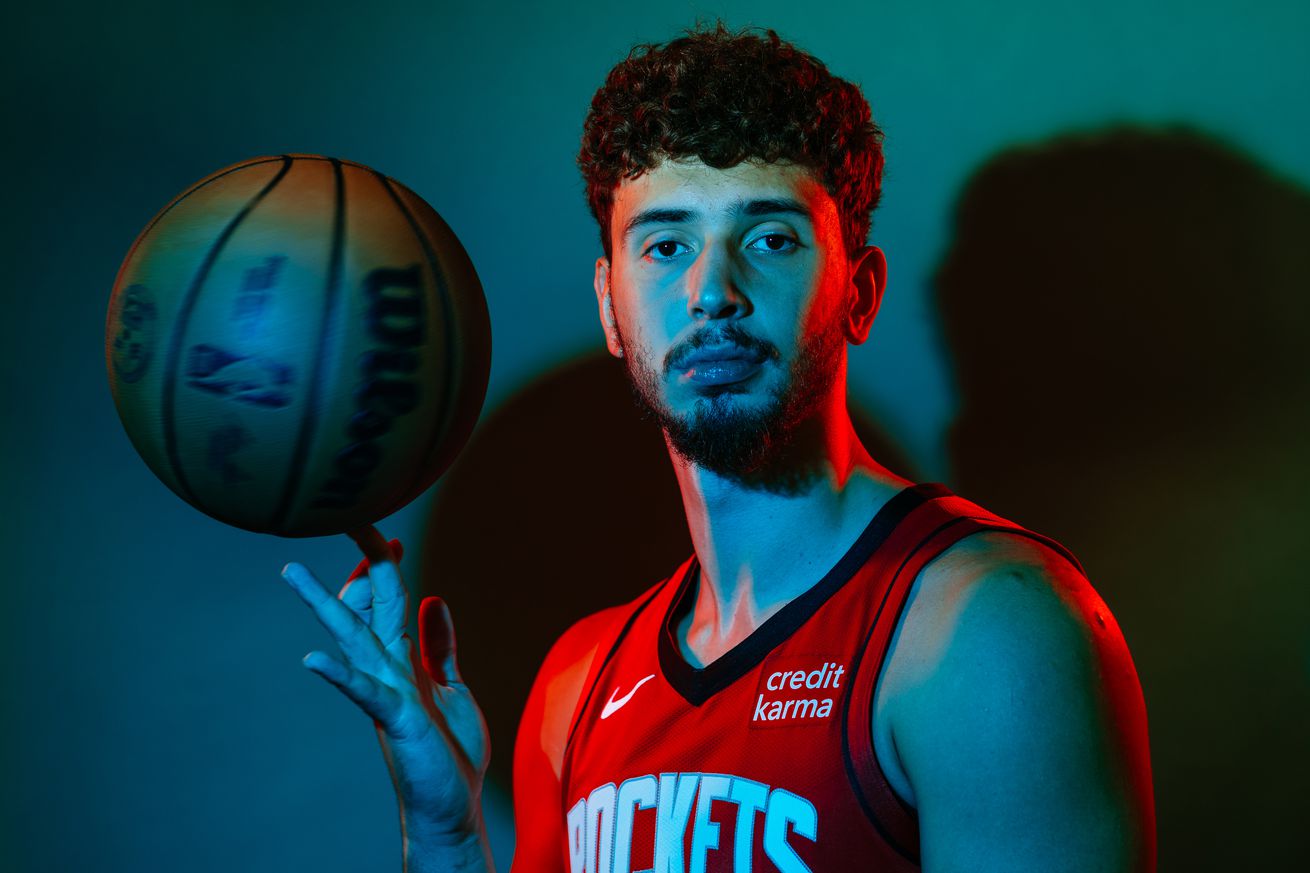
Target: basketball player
x=852, y=671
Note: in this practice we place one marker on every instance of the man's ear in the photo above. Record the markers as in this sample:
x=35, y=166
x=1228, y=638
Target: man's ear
x=868, y=281
x=605, y=304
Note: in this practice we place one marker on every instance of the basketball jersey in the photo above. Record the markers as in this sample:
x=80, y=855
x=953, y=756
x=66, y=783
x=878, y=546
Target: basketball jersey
x=762, y=760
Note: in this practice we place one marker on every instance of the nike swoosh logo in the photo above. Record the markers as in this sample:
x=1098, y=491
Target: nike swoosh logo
x=612, y=705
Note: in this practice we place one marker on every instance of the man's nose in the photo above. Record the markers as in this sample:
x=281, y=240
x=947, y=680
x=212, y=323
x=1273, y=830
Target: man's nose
x=714, y=289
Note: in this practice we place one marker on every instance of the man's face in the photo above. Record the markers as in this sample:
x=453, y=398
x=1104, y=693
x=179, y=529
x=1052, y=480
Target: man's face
x=729, y=295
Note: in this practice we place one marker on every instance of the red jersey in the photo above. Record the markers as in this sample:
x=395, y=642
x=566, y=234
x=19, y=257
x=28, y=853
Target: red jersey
x=762, y=760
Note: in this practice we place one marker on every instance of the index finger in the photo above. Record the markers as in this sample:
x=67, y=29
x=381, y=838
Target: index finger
x=371, y=543
x=397, y=549
x=389, y=595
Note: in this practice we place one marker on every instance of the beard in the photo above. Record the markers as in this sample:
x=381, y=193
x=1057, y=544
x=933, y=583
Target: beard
x=719, y=433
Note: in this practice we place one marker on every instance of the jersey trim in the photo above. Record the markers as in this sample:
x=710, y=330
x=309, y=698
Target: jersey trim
x=949, y=520
x=894, y=819
x=593, y=679
x=697, y=685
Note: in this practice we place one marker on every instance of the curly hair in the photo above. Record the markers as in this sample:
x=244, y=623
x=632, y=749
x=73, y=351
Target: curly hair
x=725, y=98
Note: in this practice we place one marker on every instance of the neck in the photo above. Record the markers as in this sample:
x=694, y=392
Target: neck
x=765, y=538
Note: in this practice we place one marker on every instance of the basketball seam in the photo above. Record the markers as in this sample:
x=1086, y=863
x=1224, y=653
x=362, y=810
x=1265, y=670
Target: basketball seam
x=183, y=321
x=440, y=430
x=141, y=237
x=331, y=293
x=253, y=162
x=177, y=201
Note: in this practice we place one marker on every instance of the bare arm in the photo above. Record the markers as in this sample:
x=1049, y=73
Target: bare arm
x=1022, y=730
x=539, y=750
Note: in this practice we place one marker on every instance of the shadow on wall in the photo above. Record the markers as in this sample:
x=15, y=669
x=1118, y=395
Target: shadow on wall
x=563, y=503
x=1127, y=313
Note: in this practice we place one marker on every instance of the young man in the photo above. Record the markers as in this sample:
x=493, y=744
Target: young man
x=851, y=672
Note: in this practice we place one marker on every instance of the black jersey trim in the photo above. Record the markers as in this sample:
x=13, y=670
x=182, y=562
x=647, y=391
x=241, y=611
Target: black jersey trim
x=910, y=853
x=697, y=685
x=981, y=523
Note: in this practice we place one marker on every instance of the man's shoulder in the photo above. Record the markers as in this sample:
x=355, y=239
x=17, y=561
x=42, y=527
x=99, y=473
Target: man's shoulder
x=993, y=587
x=590, y=632
x=562, y=678
x=1005, y=636
x=1016, y=682
x=582, y=638
x=569, y=660
x=996, y=558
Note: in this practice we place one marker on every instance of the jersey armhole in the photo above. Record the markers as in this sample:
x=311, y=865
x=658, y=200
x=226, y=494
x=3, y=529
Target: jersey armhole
x=948, y=520
x=608, y=644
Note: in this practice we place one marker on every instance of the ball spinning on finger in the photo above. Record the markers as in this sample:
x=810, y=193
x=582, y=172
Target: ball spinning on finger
x=298, y=345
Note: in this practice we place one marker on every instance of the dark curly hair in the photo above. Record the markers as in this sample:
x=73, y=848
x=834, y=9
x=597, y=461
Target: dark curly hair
x=725, y=98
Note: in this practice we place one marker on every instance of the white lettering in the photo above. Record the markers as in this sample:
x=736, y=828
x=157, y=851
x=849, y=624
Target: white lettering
x=750, y=797
x=778, y=710
x=577, y=825
x=705, y=833
x=814, y=678
x=785, y=807
x=675, y=796
x=827, y=675
x=600, y=827
x=634, y=794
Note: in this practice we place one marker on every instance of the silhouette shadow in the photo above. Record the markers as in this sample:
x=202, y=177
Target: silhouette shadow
x=564, y=502
x=1127, y=314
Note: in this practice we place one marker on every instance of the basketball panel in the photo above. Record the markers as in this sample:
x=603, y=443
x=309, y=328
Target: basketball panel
x=244, y=384
x=389, y=382
x=471, y=337
x=152, y=285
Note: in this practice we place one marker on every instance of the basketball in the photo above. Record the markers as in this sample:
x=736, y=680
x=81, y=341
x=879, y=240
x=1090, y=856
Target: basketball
x=297, y=345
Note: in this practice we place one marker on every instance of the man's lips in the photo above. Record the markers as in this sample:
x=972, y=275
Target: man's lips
x=719, y=365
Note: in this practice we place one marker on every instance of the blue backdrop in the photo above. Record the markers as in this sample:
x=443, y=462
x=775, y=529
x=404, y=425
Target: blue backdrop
x=158, y=716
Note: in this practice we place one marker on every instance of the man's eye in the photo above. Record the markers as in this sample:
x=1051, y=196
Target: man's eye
x=664, y=249
x=774, y=242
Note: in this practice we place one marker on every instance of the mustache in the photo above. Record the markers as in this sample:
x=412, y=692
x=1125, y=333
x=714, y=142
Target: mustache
x=725, y=335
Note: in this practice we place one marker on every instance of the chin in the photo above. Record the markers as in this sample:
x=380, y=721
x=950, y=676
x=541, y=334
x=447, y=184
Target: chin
x=731, y=389
x=724, y=401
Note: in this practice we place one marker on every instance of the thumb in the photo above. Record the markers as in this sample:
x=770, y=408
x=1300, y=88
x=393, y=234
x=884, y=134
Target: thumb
x=436, y=639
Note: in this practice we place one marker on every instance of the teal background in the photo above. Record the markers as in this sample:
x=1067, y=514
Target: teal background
x=158, y=716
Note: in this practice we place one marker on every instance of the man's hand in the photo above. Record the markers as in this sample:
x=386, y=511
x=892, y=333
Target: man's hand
x=432, y=733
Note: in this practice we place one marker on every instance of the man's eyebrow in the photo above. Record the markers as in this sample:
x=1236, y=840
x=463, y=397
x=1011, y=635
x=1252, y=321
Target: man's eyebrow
x=752, y=208
x=657, y=216
x=772, y=206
